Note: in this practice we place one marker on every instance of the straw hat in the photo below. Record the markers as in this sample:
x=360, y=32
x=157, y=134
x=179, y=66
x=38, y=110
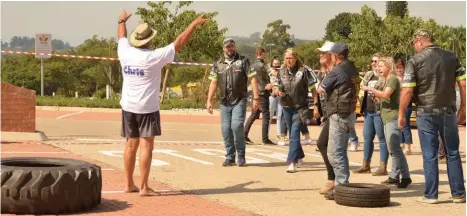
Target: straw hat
x=141, y=35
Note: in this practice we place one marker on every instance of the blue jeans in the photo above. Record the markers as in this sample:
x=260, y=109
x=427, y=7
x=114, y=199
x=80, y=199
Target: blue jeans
x=232, y=119
x=274, y=107
x=400, y=168
x=428, y=128
x=353, y=136
x=339, y=129
x=373, y=125
x=294, y=124
x=281, y=124
x=406, y=136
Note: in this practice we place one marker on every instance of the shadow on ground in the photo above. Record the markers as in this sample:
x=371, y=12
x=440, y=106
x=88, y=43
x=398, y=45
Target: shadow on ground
x=107, y=205
x=414, y=190
x=240, y=188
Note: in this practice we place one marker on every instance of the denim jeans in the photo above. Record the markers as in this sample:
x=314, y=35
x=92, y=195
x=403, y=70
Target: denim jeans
x=400, y=168
x=429, y=126
x=281, y=124
x=406, y=136
x=264, y=111
x=274, y=108
x=232, y=119
x=353, y=136
x=339, y=129
x=373, y=125
x=294, y=124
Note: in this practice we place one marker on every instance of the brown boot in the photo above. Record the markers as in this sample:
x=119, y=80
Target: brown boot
x=381, y=170
x=364, y=169
x=329, y=186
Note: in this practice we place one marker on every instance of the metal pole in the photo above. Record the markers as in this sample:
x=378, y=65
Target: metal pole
x=42, y=76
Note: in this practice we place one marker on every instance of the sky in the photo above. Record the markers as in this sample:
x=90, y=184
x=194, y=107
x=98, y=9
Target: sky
x=75, y=22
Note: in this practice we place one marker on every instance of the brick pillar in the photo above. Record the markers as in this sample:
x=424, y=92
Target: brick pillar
x=18, y=109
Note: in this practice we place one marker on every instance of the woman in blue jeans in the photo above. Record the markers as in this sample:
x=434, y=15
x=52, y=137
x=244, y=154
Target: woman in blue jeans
x=292, y=86
x=406, y=136
x=389, y=103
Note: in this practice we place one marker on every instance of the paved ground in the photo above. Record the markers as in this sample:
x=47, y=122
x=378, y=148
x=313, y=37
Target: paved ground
x=188, y=157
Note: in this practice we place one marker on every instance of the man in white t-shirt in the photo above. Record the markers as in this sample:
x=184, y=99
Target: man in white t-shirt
x=141, y=70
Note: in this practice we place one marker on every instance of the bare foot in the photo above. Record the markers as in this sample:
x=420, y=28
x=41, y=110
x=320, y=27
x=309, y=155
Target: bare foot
x=132, y=189
x=148, y=192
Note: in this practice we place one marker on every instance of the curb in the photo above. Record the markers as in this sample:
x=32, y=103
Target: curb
x=197, y=112
x=23, y=136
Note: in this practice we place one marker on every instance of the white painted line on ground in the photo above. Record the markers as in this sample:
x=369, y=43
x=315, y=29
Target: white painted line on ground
x=107, y=169
x=177, y=129
x=4, y=152
x=156, y=141
x=157, y=191
x=350, y=162
x=63, y=116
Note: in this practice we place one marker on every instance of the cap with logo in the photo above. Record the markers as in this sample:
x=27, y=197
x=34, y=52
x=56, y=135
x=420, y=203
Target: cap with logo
x=421, y=33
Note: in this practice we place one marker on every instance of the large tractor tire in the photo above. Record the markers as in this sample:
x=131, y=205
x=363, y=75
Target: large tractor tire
x=49, y=185
x=362, y=195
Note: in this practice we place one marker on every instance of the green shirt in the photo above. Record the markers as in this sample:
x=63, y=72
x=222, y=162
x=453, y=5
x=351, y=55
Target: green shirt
x=390, y=106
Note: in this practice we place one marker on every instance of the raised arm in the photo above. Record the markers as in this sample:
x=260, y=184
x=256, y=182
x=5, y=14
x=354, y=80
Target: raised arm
x=122, y=24
x=185, y=36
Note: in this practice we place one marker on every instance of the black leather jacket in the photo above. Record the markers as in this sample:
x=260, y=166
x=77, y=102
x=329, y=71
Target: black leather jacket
x=232, y=78
x=295, y=83
x=342, y=99
x=261, y=73
x=433, y=73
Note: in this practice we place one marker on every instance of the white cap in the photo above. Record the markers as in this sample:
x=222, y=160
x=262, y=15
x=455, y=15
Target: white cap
x=326, y=46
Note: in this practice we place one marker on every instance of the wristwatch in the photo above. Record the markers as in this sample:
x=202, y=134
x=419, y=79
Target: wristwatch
x=121, y=21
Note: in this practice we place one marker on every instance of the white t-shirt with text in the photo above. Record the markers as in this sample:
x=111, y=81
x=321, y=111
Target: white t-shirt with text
x=141, y=70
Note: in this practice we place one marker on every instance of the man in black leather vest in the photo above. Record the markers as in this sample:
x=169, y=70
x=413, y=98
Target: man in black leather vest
x=340, y=87
x=231, y=73
x=431, y=76
x=264, y=88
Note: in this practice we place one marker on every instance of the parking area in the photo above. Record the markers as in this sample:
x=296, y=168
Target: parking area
x=187, y=162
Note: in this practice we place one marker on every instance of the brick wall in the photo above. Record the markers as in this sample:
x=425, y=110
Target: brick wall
x=18, y=109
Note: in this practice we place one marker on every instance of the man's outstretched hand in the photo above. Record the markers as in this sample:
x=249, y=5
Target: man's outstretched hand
x=201, y=19
x=124, y=15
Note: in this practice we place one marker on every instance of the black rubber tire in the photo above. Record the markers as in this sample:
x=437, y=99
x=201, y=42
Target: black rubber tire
x=362, y=195
x=49, y=185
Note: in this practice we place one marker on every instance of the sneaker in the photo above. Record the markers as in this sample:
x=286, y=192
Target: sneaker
x=428, y=200
x=390, y=181
x=268, y=142
x=306, y=141
x=248, y=141
x=228, y=162
x=281, y=142
x=329, y=195
x=241, y=161
x=353, y=146
x=460, y=199
x=278, y=137
x=292, y=168
x=404, y=183
x=300, y=163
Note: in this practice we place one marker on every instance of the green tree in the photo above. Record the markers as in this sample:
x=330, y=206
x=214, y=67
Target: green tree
x=397, y=8
x=339, y=25
x=276, y=39
x=308, y=54
x=366, y=36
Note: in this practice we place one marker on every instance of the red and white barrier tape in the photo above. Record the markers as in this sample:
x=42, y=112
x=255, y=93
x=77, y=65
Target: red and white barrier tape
x=92, y=57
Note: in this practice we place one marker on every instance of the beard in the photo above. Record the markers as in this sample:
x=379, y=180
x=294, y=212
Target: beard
x=229, y=54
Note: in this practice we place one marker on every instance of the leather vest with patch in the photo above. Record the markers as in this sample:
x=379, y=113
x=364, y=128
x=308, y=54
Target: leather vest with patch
x=232, y=78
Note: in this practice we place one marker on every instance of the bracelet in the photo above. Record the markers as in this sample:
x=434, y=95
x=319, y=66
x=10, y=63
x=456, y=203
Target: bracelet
x=255, y=98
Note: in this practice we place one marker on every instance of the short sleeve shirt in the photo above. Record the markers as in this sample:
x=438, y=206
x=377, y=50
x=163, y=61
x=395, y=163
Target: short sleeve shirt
x=390, y=106
x=141, y=70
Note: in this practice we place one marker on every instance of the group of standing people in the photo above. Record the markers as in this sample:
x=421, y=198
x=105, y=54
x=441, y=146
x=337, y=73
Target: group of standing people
x=428, y=79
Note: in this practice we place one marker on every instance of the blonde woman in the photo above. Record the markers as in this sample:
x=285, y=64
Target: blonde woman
x=389, y=102
x=293, y=83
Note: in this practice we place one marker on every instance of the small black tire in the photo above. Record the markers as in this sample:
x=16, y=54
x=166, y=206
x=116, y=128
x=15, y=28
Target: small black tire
x=49, y=185
x=362, y=195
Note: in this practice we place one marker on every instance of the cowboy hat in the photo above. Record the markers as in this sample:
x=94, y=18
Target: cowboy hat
x=141, y=35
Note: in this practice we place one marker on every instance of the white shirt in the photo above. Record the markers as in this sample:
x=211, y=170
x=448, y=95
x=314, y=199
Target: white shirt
x=141, y=70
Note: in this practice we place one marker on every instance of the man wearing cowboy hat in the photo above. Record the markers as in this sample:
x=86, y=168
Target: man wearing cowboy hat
x=141, y=69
